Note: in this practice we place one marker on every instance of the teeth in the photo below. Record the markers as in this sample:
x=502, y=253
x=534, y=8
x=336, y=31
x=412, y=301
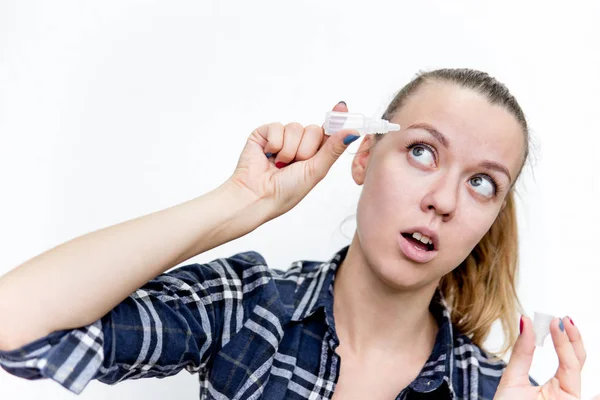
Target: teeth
x=423, y=238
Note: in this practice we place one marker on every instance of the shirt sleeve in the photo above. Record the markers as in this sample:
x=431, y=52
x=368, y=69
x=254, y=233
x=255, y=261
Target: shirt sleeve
x=178, y=320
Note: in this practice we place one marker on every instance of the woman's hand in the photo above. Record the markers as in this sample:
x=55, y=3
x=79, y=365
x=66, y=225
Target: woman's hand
x=566, y=383
x=281, y=164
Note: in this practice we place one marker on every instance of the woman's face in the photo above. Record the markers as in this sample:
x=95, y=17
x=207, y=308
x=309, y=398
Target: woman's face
x=445, y=175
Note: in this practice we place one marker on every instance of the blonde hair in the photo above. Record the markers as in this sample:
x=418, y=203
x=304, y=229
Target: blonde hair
x=481, y=290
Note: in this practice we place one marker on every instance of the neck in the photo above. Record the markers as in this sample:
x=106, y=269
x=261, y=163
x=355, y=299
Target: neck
x=372, y=316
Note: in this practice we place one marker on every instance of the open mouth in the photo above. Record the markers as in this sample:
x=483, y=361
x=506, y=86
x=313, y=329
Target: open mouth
x=420, y=241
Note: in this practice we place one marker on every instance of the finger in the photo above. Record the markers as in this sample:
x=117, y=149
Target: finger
x=273, y=135
x=330, y=151
x=517, y=370
x=340, y=107
x=292, y=135
x=576, y=340
x=566, y=354
x=569, y=370
x=311, y=141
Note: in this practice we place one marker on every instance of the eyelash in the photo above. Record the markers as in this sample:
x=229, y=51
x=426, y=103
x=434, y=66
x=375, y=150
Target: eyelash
x=495, y=183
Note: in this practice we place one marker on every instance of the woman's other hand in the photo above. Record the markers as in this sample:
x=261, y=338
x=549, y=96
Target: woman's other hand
x=564, y=385
x=281, y=164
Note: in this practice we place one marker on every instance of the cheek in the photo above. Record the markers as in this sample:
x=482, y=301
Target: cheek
x=391, y=192
x=389, y=201
x=467, y=229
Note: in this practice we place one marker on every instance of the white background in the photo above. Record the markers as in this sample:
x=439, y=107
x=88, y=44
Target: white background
x=111, y=110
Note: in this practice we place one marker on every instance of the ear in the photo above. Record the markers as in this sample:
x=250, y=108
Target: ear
x=361, y=159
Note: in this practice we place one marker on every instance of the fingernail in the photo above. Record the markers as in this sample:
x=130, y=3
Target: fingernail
x=521, y=325
x=343, y=102
x=572, y=323
x=280, y=164
x=350, y=138
x=269, y=155
x=561, y=326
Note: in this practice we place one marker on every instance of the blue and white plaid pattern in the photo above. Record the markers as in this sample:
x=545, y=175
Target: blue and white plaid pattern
x=248, y=331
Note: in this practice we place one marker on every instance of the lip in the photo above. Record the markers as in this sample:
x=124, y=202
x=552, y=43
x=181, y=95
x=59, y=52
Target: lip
x=416, y=254
x=429, y=232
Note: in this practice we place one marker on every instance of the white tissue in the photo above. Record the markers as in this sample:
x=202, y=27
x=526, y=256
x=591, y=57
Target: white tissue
x=541, y=327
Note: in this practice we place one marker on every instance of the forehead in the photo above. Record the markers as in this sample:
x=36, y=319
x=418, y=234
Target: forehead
x=471, y=123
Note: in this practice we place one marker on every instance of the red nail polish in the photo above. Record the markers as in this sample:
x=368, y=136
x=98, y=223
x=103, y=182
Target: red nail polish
x=521, y=325
x=280, y=164
x=572, y=323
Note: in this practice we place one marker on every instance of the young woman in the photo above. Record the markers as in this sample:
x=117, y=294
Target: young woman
x=402, y=312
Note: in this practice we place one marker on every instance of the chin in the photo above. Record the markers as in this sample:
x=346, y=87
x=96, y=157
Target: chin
x=402, y=274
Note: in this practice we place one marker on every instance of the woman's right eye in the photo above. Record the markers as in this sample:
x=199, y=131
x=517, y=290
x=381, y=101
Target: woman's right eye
x=422, y=154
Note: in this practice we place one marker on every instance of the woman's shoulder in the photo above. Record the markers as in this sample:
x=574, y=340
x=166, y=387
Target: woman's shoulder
x=284, y=287
x=238, y=266
x=251, y=260
x=253, y=273
x=488, y=367
x=475, y=370
x=465, y=348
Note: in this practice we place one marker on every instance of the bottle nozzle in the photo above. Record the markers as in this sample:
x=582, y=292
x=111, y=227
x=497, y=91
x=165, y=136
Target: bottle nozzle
x=335, y=121
x=393, y=127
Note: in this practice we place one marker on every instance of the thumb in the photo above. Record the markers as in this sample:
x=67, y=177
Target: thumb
x=517, y=370
x=331, y=150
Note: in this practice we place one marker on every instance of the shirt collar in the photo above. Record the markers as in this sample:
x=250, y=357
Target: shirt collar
x=319, y=286
x=437, y=371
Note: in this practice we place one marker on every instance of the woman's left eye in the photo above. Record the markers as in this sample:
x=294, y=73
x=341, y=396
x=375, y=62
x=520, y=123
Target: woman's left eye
x=483, y=185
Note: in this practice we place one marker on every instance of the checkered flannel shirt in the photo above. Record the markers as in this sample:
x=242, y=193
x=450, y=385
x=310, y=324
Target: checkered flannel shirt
x=248, y=331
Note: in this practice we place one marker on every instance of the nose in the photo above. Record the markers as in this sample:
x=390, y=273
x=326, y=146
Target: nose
x=442, y=197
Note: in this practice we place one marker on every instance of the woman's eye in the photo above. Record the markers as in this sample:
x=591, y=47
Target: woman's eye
x=422, y=155
x=483, y=185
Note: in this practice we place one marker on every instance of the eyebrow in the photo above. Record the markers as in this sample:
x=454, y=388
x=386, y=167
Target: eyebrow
x=496, y=167
x=434, y=132
x=446, y=143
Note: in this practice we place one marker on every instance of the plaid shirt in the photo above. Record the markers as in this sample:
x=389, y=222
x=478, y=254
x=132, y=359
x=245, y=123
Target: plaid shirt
x=248, y=331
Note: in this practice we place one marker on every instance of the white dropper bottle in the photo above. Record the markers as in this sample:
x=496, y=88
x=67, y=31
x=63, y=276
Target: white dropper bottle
x=336, y=121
